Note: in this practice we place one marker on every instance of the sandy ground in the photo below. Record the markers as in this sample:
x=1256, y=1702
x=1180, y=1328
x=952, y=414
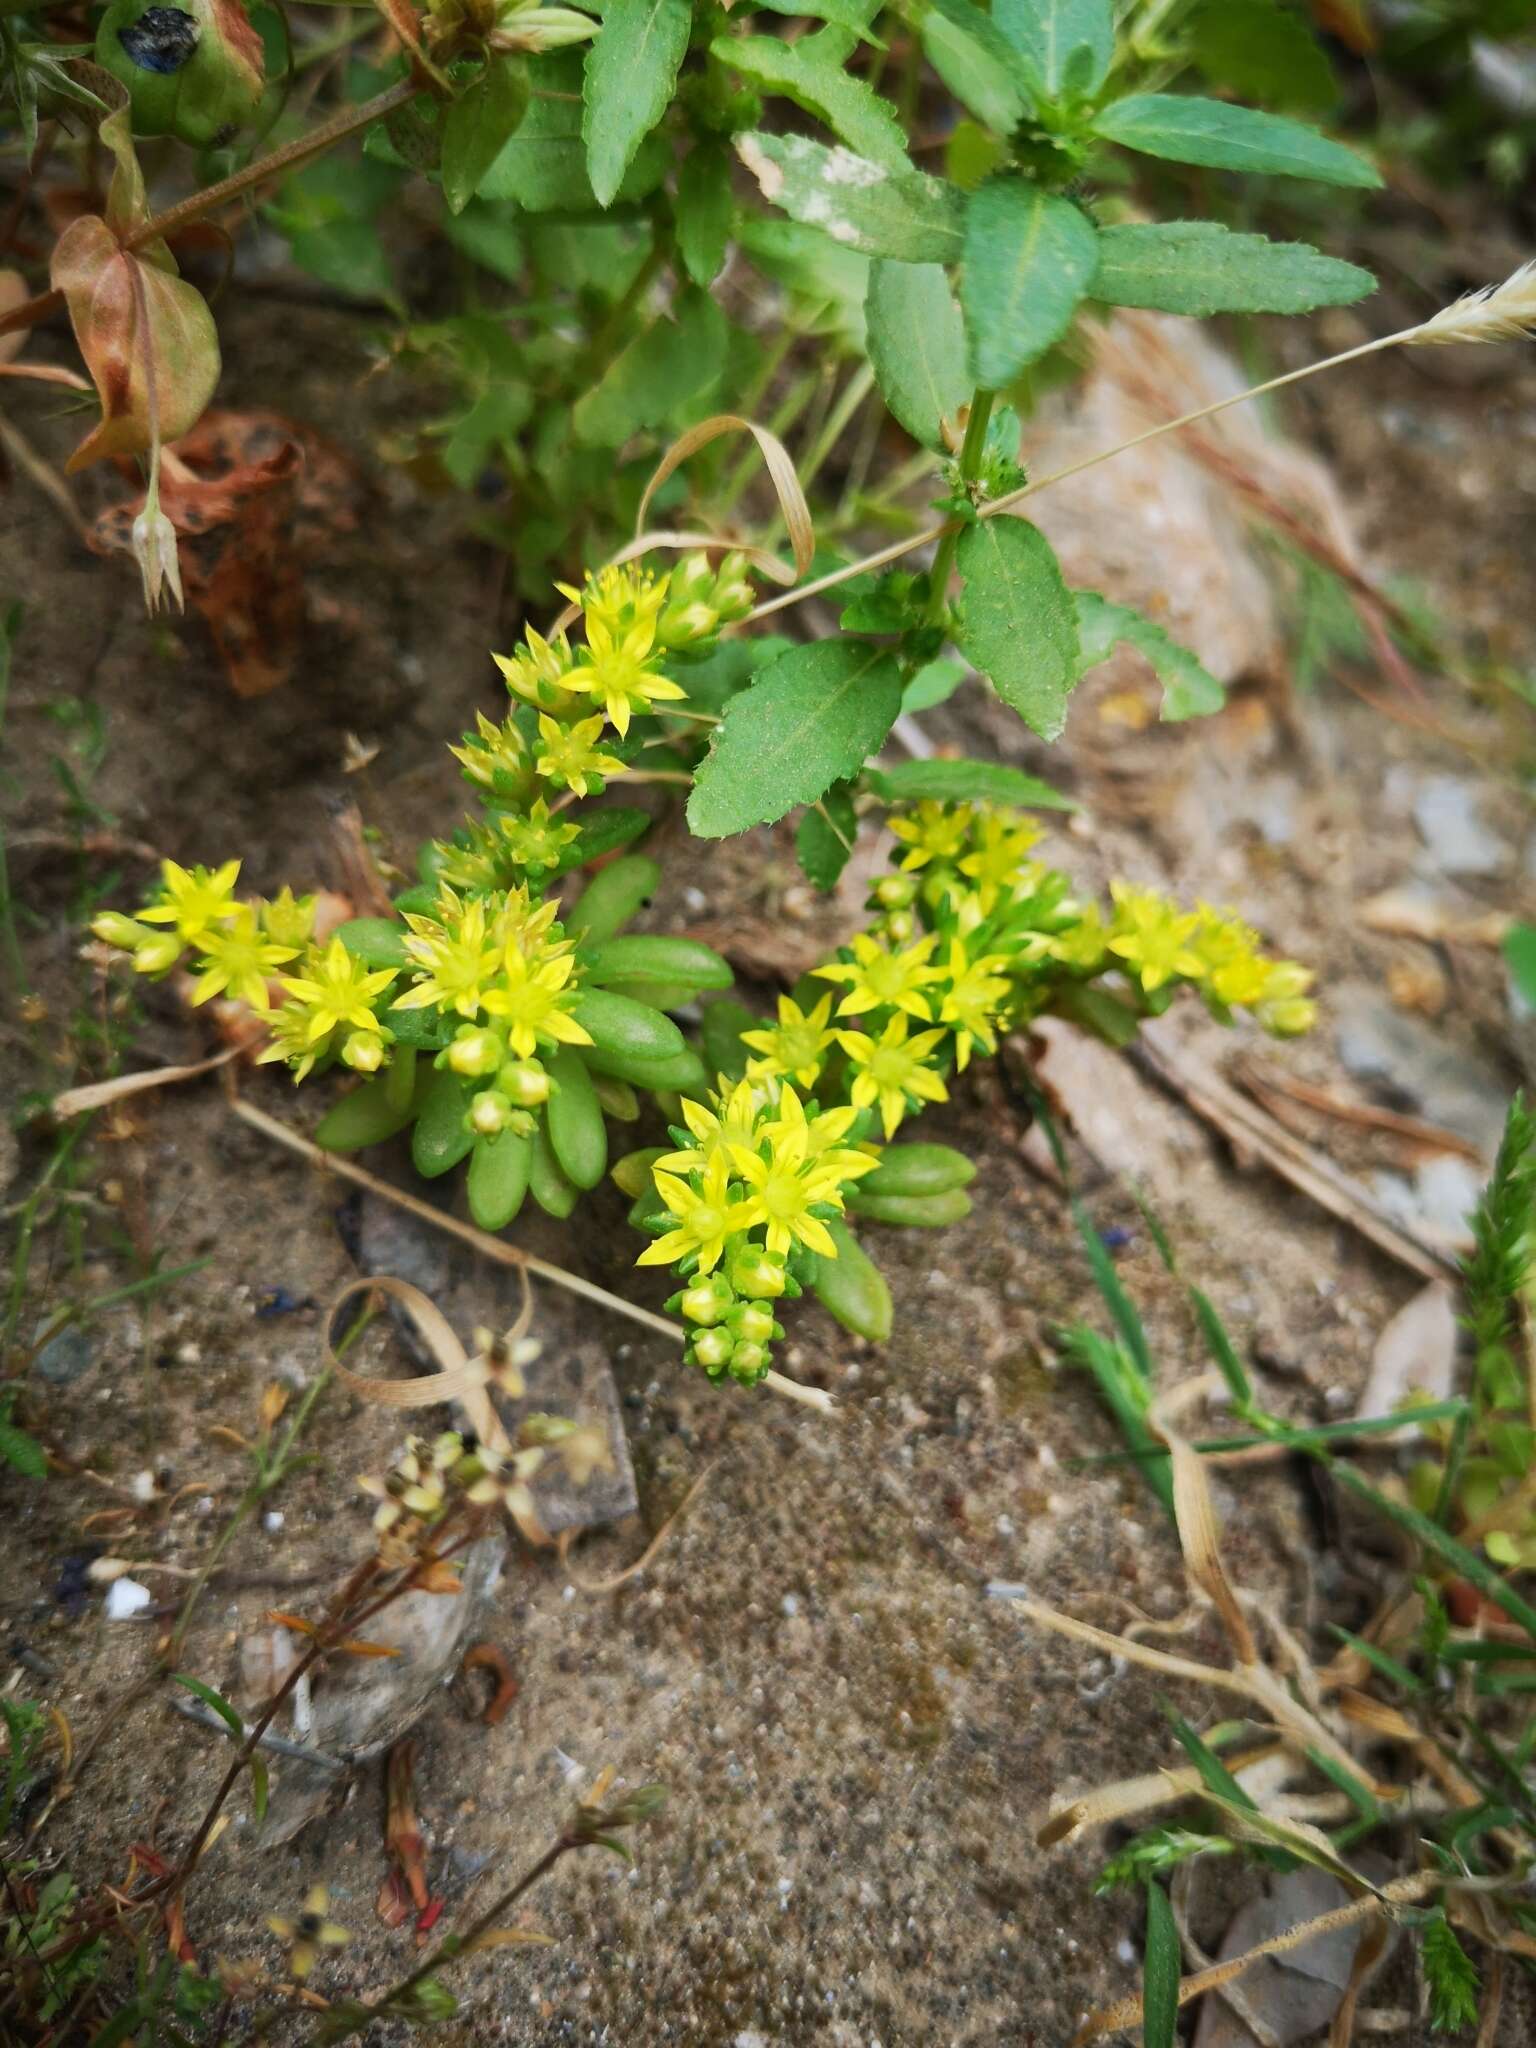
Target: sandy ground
x=858, y=1744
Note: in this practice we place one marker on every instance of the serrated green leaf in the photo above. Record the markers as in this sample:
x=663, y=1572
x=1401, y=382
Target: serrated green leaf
x=824, y=838
x=1223, y=137
x=1017, y=621
x=916, y=346
x=814, y=718
x=1200, y=267
x=702, y=212
x=1067, y=44
x=1030, y=255
x=829, y=281
x=1263, y=51
x=665, y=366
x=1161, y=1970
x=859, y=204
x=1189, y=688
x=630, y=74
x=478, y=126
x=813, y=77
x=543, y=168
x=973, y=75
x=961, y=782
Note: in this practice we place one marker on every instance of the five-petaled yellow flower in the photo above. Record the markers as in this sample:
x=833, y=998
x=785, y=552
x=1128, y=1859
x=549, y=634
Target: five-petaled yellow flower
x=703, y=1217
x=794, y=1048
x=336, y=989
x=972, y=1000
x=998, y=860
x=933, y=832
x=877, y=978
x=535, y=1001
x=238, y=959
x=194, y=900
x=892, y=1069
x=570, y=755
x=456, y=954
x=1152, y=936
x=732, y=1121
x=621, y=608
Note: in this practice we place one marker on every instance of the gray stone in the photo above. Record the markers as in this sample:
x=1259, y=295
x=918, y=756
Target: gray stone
x=1415, y=1064
x=66, y=1357
x=1446, y=813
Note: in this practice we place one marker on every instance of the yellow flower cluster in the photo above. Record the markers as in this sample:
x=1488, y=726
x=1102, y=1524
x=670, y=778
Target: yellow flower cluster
x=237, y=948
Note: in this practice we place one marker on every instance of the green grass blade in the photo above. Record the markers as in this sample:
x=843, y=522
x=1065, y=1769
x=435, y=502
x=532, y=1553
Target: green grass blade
x=1160, y=1975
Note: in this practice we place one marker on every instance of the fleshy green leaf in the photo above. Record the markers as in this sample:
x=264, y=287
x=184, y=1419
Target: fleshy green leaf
x=861, y=205
x=812, y=75
x=1017, y=621
x=631, y=71
x=479, y=125
x=666, y=365
x=916, y=346
x=1189, y=688
x=824, y=838
x=1186, y=130
x=962, y=782
x=702, y=212
x=813, y=719
x=1067, y=44
x=1030, y=255
x=1200, y=267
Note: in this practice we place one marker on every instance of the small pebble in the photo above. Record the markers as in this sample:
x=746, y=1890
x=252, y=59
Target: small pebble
x=273, y=1520
x=126, y=1598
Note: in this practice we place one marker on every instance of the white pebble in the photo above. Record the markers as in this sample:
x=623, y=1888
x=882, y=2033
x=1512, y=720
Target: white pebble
x=126, y=1598
x=273, y=1520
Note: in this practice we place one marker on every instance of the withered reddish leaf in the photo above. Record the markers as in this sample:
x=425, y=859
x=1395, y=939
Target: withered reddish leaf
x=134, y=319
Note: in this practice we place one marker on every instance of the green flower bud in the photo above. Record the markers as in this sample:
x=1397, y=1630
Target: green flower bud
x=524, y=1082
x=900, y=927
x=894, y=892
x=711, y=1349
x=475, y=1053
x=759, y=1274
x=363, y=1052
x=707, y=1302
x=116, y=930
x=489, y=1113
x=157, y=955
x=748, y=1363
x=753, y=1323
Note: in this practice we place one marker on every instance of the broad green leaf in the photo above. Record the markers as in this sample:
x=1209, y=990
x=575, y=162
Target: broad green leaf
x=824, y=838
x=1200, y=267
x=862, y=205
x=702, y=211
x=479, y=125
x=1186, y=130
x=1263, y=51
x=809, y=74
x=982, y=31
x=853, y=15
x=829, y=281
x=973, y=75
x=962, y=782
x=1067, y=44
x=488, y=235
x=631, y=71
x=935, y=683
x=1030, y=255
x=916, y=346
x=1017, y=621
x=544, y=165
x=814, y=719
x=660, y=370
x=1189, y=688
x=1161, y=1971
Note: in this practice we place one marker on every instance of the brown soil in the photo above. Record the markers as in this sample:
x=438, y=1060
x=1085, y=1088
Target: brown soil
x=858, y=1745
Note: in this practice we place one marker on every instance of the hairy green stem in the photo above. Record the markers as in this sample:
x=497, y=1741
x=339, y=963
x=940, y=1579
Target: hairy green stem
x=971, y=450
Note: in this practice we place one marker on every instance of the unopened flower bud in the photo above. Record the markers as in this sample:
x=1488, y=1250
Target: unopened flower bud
x=900, y=926
x=474, y=1053
x=703, y=1303
x=114, y=929
x=489, y=1113
x=157, y=955
x=753, y=1323
x=748, y=1363
x=1291, y=1017
x=758, y=1275
x=524, y=1082
x=711, y=1349
x=894, y=892
x=363, y=1052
